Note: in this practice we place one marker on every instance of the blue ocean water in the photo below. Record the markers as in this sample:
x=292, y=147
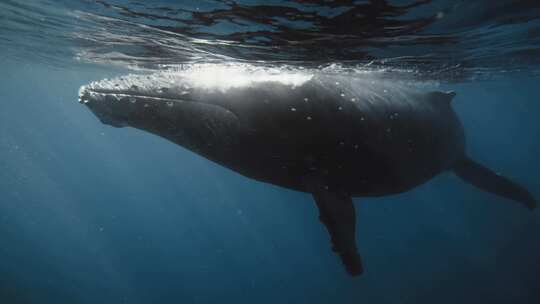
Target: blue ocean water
x=94, y=214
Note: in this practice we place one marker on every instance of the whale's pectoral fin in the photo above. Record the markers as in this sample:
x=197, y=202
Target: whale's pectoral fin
x=336, y=212
x=490, y=181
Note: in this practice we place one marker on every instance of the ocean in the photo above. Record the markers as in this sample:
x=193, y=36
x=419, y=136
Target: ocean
x=90, y=213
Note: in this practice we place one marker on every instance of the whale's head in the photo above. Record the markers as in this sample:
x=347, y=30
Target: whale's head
x=125, y=100
x=134, y=100
x=185, y=106
x=162, y=104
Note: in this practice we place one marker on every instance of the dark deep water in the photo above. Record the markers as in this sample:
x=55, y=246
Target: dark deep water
x=94, y=214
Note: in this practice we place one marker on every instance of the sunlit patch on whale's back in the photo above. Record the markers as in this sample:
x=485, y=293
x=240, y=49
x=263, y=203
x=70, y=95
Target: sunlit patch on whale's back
x=223, y=77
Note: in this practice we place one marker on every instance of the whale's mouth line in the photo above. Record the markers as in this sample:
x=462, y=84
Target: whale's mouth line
x=87, y=94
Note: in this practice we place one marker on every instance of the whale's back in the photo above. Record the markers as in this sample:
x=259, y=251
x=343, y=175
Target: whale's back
x=366, y=137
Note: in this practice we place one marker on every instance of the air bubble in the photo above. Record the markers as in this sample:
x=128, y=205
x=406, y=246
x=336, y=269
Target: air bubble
x=306, y=99
x=308, y=118
x=132, y=99
x=293, y=109
x=342, y=94
x=170, y=103
x=340, y=108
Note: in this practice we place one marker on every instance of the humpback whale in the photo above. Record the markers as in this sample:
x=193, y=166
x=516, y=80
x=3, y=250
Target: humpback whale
x=332, y=136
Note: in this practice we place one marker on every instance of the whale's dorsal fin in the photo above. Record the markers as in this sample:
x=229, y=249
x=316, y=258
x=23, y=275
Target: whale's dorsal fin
x=337, y=213
x=489, y=181
x=438, y=96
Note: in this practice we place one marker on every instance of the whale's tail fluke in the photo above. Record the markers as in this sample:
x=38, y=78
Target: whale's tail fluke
x=487, y=180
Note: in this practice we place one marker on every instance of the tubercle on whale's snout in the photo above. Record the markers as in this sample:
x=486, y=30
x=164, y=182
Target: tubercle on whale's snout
x=84, y=95
x=98, y=90
x=88, y=91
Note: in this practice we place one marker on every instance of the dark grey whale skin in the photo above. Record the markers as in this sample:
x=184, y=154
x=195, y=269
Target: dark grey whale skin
x=329, y=136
